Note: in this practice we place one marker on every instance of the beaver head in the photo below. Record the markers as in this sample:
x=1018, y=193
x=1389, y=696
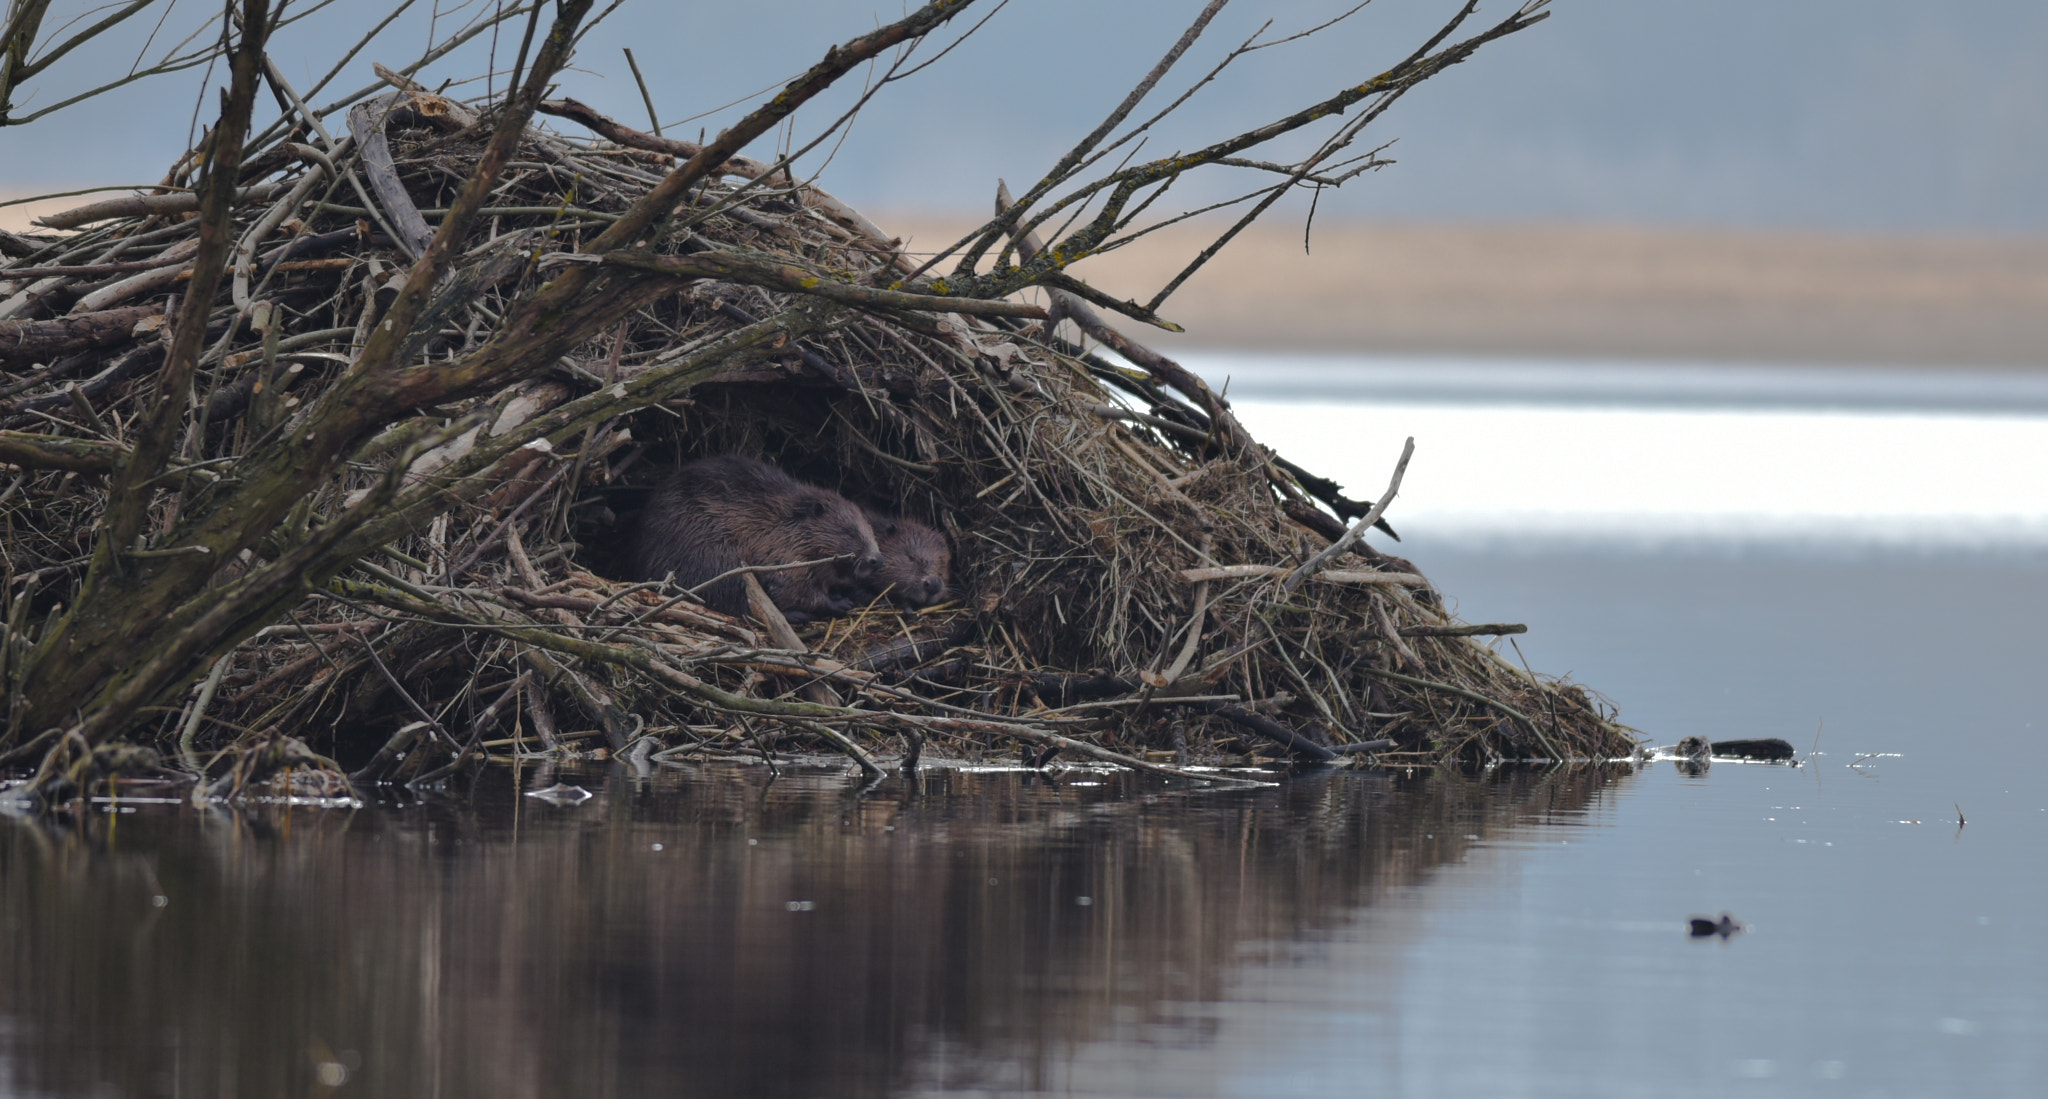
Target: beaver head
x=915, y=562
x=821, y=523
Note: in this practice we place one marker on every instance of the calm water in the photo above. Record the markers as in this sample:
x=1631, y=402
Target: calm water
x=713, y=932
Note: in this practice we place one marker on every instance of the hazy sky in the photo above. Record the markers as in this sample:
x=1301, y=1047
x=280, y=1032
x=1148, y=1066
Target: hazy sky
x=1860, y=114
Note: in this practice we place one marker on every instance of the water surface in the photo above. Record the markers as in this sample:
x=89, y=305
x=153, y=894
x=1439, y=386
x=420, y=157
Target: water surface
x=723, y=931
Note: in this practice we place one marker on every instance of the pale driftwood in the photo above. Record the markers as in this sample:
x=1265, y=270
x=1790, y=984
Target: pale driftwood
x=245, y=252
x=173, y=263
x=1335, y=576
x=770, y=616
x=1357, y=530
x=366, y=125
x=1035, y=735
x=667, y=612
x=93, y=270
x=1409, y=658
x=181, y=202
x=1391, y=579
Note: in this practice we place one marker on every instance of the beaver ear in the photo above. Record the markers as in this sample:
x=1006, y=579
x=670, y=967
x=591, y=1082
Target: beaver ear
x=884, y=528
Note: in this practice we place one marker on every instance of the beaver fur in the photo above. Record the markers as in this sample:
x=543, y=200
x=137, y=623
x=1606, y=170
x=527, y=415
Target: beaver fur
x=916, y=563
x=717, y=514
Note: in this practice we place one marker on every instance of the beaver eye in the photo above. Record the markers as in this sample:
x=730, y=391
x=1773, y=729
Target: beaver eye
x=807, y=509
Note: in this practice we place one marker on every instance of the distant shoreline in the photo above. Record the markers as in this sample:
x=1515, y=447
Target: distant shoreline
x=1589, y=291
x=1604, y=292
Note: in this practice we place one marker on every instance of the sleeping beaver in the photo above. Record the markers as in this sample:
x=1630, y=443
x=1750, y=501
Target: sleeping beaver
x=915, y=563
x=716, y=514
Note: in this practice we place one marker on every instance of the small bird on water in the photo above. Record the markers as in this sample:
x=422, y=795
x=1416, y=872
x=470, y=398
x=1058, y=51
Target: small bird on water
x=1727, y=926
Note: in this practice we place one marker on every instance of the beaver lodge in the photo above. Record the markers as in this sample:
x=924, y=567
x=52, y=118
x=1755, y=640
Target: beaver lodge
x=323, y=459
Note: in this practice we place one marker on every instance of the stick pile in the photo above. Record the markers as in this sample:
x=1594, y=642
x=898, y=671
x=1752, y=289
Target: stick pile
x=1135, y=578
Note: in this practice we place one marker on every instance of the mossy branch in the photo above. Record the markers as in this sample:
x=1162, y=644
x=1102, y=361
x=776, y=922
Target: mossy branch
x=794, y=278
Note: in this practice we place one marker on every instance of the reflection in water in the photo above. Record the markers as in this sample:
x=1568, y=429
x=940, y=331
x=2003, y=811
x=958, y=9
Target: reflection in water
x=708, y=933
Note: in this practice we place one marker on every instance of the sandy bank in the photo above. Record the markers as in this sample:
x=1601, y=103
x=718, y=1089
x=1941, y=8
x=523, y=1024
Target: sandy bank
x=1598, y=290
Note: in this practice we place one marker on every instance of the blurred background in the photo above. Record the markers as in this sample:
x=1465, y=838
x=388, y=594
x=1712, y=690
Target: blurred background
x=1826, y=213
x=1843, y=181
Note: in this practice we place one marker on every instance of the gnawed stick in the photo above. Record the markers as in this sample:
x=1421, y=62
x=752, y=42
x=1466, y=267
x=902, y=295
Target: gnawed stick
x=1315, y=564
x=867, y=763
x=1409, y=658
x=366, y=124
x=1335, y=576
x=138, y=205
x=1489, y=629
x=770, y=616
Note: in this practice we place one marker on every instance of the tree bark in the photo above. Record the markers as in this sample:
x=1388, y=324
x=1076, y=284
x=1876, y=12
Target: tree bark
x=23, y=342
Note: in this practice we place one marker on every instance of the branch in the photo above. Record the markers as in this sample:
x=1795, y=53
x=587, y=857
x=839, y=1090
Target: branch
x=201, y=56
x=1124, y=184
x=1071, y=306
x=59, y=452
x=792, y=278
x=838, y=61
x=127, y=500
x=745, y=167
x=1072, y=162
x=380, y=352
x=1357, y=530
x=35, y=341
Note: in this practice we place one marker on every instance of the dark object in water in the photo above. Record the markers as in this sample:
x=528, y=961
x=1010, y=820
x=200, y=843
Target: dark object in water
x=915, y=563
x=1696, y=753
x=1727, y=927
x=717, y=514
x=1766, y=748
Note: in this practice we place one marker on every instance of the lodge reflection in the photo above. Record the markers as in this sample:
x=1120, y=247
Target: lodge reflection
x=784, y=938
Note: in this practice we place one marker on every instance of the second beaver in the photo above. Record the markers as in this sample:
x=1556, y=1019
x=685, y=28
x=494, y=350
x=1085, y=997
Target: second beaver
x=717, y=514
x=915, y=563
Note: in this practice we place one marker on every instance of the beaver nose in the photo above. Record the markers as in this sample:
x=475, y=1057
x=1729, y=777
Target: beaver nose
x=866, y=566
x=932, y=587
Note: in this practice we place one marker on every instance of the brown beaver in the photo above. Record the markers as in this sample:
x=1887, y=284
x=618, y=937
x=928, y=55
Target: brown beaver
x=716, y=514
x=915, y=563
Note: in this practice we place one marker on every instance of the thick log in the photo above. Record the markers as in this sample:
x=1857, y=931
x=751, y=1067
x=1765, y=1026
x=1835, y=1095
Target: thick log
x=366, y=124
x=38, y=341
x=1299, y=746
x=58, y=452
